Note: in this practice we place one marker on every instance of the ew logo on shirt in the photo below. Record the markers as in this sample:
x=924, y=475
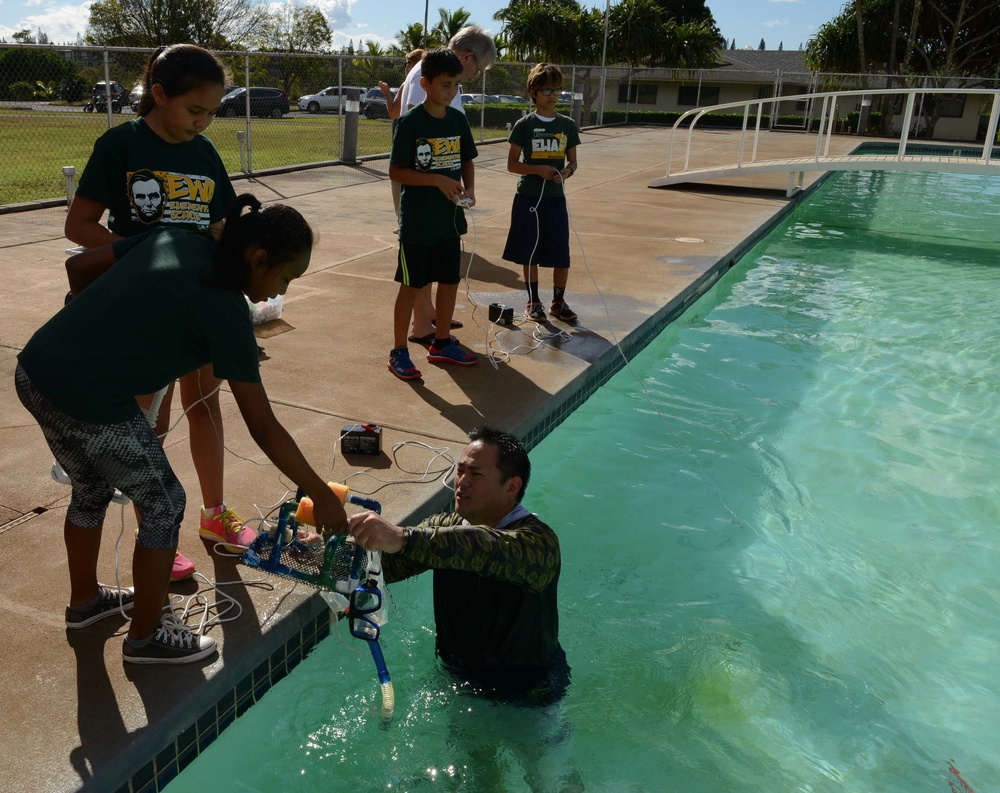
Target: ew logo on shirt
x=546, y=146
x=167, y=197
x=438, y=154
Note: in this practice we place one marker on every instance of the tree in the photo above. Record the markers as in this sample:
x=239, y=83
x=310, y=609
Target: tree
x=733, y=45
x=945, y=38
x=216, y=24
x=412, y=38
x=450, y=23
x=371, y=66
x=23, y=37
x=762, y=46
x=22, y=64
x=651, y=32
x=542, y=30
x=294, y=28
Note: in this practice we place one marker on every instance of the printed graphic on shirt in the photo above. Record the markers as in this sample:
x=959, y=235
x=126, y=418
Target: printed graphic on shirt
x=167, y=197
x=546, y=146
x=438, y=154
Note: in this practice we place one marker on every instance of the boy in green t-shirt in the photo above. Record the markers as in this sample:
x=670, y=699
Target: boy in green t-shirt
x=432, y=154
x=543, y=152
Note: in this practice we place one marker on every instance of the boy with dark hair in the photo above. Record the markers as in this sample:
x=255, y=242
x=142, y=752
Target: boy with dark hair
x=432, y=154
x=539, y=221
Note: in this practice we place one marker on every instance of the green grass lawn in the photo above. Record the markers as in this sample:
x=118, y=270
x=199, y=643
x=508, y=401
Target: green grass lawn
x=34, y=146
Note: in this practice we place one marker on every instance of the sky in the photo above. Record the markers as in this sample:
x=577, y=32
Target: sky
x=788, y=22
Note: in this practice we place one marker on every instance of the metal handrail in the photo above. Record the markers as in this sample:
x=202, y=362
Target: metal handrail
x=826, y=119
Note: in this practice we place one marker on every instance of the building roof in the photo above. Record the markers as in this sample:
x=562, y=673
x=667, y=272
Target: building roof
x=762, y=60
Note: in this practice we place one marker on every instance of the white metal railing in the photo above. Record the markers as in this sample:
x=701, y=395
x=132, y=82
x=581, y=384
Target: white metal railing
x=827, y=116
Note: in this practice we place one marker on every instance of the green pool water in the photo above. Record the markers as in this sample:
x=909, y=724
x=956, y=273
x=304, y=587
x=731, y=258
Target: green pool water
x=780, y=545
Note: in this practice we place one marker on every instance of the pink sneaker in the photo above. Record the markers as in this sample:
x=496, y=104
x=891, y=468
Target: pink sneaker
x=183, y=568
x=226, y=527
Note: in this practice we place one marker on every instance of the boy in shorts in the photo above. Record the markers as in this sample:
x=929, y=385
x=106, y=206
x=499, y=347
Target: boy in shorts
x=432, y=153
x=543, y=152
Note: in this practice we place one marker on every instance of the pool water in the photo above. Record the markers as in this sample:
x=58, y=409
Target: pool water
x=780, y=544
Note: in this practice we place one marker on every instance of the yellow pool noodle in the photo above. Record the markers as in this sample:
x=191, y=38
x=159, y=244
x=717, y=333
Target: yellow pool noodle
x=304, y=514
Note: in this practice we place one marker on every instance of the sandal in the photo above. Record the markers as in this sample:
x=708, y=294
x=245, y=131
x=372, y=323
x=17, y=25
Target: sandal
x=454, y=324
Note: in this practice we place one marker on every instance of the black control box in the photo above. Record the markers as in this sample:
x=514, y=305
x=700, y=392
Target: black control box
x=501, y=314
x=361, y=439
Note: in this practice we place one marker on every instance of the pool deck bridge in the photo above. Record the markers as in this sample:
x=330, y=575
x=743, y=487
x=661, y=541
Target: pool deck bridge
x=951, y=157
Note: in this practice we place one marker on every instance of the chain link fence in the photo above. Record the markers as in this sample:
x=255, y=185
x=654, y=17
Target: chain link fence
x=55, y=101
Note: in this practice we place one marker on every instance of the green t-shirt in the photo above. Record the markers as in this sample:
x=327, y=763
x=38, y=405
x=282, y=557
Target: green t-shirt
x=438, y=145
x=142, y=324
x=145, y=181
x=495, y=590
x=543, y=143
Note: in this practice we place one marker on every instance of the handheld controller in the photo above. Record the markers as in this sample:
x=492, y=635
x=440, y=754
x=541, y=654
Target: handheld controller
x=463, y=202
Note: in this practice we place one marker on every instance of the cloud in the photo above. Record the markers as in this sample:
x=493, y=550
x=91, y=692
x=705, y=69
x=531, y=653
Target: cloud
x=777, y=23
x=338, y=12
x=60, y=23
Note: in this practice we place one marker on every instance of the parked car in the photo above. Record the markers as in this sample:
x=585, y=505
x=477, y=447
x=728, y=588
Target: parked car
x=264, y=102
x=478, y=99
x=328, y=99
x=507, y=99
x=99, y=97
x=566, y=96
x=135, y=94
x=373, y=103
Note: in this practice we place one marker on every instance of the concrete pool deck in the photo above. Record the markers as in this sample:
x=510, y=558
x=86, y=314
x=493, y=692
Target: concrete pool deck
x=74, y=718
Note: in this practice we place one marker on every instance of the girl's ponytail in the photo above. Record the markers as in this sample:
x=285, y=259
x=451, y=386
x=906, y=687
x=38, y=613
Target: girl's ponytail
x=278, y=229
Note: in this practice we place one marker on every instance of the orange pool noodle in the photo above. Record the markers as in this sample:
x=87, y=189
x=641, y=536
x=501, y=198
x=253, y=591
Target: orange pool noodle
x=304, y=514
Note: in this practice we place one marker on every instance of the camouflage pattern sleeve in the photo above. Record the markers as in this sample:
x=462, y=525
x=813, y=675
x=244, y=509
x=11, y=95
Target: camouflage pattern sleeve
x=524, y=553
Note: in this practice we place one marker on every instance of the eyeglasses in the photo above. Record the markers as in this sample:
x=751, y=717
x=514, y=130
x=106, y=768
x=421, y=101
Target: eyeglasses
x=548, y=91
x=479, y=69
x=365, y=599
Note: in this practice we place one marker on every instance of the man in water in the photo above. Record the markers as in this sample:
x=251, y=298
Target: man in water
x=496, y=571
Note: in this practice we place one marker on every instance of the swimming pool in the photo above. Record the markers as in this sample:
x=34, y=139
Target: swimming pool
x=781, y=577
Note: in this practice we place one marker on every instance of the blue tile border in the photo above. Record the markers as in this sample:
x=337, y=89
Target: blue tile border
x=182, y=750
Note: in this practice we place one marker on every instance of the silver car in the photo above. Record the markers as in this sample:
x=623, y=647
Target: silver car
x=328, y=99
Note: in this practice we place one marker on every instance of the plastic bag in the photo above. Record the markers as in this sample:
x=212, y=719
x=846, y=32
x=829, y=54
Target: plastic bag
x=266, y=310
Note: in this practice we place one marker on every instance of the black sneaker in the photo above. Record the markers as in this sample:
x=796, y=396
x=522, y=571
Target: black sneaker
x=109, y=602
x=172, y=643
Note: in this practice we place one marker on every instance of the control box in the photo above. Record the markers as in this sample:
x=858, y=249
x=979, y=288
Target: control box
x=501, y=314
x=361, y=439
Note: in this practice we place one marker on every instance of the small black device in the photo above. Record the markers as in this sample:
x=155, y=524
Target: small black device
x=501, y=314
x=361, y=439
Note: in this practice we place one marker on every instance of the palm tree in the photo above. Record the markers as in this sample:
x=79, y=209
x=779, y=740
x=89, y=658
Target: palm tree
x=861, y=44
x=412, y=38
x=544, y=30
x=370, y=62
x=449, y=24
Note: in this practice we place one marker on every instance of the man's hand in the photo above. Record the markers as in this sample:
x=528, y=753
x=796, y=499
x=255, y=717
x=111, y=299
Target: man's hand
x=374, y=533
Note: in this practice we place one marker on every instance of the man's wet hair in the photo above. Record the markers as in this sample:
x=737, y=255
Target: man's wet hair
x=440, y=61
x=512, y=457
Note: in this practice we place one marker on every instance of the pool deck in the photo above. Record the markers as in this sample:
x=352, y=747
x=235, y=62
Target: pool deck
x=74, y=717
